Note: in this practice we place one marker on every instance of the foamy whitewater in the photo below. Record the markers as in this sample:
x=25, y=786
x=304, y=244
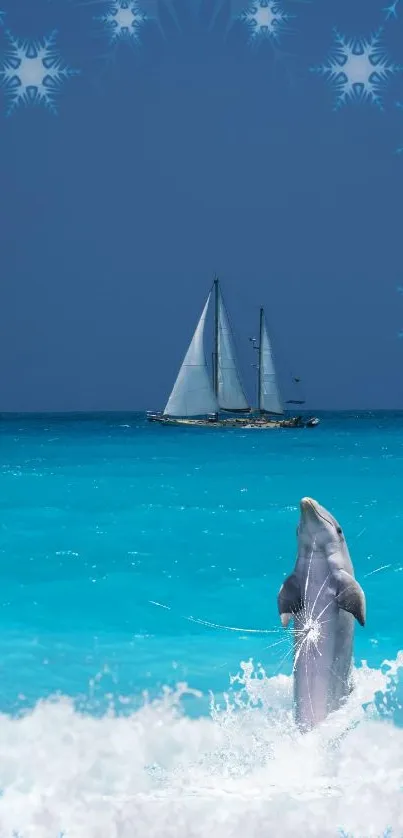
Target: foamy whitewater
x=132, y=705
x=244, y=771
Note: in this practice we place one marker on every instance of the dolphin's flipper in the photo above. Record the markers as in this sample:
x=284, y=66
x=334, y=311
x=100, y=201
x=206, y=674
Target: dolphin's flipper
x=350, y=596
x=289, y=599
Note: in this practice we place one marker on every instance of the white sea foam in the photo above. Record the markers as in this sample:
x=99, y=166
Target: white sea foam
x=244, y=772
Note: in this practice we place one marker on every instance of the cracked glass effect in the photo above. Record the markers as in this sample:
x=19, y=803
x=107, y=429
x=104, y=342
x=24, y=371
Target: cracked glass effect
x=358, y=69
x=265, y=19
x=32, y=72
x=123, y=19
x=309, y=635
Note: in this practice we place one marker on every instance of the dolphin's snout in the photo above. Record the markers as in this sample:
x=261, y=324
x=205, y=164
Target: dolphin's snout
x=307, y=505
x=306, y=502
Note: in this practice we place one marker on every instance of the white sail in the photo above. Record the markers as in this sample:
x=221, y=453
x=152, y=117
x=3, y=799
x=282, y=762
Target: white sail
x=231, y=395
x=192, y=393
x=270, y=400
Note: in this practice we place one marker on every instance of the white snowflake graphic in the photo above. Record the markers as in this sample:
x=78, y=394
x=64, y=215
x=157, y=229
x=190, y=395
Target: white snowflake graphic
x=265, y=19
x=391, y=11
x=358, y=69
x=123, y=19
x=32, y=72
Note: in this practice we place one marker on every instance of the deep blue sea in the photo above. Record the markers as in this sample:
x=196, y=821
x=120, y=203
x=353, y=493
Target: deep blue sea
x=146, y=683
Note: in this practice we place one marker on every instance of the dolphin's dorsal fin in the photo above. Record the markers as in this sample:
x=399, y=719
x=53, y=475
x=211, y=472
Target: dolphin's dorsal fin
x=289, y=599
x=350, y=596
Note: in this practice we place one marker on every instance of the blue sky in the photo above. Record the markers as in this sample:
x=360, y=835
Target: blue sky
x=199, y=140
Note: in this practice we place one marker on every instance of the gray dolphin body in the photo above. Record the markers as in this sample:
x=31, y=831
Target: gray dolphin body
x=323, y=598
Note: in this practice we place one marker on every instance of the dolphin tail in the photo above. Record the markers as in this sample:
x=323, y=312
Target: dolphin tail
x=289, y=599
x=350, y=596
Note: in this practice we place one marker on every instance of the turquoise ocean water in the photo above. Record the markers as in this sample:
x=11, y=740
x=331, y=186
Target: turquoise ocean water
x=137, y=563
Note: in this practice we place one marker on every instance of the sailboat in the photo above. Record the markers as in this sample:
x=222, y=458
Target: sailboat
x=197, y=398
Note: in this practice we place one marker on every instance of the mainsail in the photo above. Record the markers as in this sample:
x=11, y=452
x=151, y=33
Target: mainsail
x=230, y=393
x=192, y=393
x=269, y=396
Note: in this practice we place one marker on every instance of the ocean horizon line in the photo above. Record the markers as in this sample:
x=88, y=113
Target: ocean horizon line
x=35, y=414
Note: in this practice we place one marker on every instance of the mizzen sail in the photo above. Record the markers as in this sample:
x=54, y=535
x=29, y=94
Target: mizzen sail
x=192, y=393
x=269, y=395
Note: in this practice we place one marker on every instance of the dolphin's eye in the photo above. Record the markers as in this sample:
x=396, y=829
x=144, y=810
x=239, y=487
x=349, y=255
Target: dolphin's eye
x=339, y=531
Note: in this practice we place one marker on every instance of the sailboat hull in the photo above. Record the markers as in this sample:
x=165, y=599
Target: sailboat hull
x=250, y=423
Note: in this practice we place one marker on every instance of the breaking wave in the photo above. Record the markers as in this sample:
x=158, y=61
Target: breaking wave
x=242, y=771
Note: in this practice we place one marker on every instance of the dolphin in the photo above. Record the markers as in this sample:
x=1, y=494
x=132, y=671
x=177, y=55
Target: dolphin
x=323, y=597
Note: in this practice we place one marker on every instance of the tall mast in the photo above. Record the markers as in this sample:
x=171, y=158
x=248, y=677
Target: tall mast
x=216, y=302
x=259, y=366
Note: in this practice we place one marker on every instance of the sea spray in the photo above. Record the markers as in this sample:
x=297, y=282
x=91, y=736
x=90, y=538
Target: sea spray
x=244, y=770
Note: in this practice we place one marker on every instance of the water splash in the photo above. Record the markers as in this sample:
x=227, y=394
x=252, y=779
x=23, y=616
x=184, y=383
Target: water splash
x=242, y=771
